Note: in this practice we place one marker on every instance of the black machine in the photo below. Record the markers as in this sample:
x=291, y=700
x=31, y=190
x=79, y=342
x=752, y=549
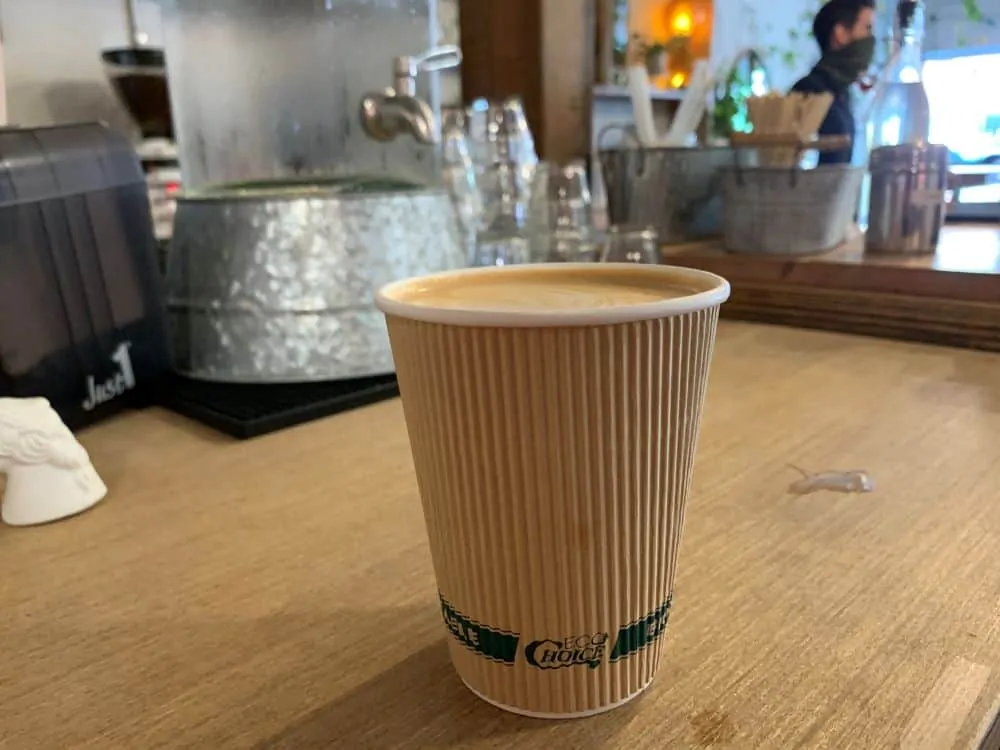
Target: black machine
x=82, y=315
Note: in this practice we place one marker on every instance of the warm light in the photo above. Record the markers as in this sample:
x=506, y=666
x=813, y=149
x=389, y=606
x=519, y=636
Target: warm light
x=690, y=20
x=687, y=18
x=681, y=23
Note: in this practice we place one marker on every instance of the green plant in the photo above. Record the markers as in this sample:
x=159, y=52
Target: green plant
x=726, y=110
x=655, y=54
x=801, y=30
x=975, y=20
x=973, y=13
x=651, y=49
x=729, y=113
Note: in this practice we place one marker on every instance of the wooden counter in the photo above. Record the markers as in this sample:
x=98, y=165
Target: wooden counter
x=278, y=593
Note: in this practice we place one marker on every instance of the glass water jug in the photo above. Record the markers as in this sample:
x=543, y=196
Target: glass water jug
x=274, y=89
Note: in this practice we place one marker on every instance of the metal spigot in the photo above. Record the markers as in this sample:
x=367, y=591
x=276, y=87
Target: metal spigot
x=398, y=110
x=137, y=37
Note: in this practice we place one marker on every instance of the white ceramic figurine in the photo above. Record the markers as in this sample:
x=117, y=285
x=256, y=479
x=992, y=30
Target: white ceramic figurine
x=49, y=474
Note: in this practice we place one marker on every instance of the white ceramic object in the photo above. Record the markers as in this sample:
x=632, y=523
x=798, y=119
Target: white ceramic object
x=692, y=107
x=49, y=474
x=640, y=91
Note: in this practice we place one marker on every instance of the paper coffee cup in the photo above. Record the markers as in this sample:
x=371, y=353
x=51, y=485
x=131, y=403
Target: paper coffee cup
x=553, y=450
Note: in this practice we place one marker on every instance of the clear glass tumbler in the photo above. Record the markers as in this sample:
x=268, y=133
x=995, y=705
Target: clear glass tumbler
x=560, y=223
x=631, y=244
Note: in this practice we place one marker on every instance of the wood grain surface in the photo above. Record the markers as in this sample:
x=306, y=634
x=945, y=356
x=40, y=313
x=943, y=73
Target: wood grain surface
x=278, y=593
x=948, y=321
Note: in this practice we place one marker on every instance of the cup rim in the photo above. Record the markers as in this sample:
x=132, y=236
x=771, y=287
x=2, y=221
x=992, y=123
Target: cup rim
x=716, y=292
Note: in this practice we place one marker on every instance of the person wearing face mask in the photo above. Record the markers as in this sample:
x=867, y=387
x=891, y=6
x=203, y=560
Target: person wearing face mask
x=843, y=31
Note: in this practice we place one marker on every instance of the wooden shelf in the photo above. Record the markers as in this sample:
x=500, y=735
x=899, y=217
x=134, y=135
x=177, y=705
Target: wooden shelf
x=611, y=91
x=951, y=297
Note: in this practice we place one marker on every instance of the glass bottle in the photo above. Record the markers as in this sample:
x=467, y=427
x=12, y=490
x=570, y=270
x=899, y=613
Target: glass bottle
x=459, y=175
x=900, y=112
x=560, y=222
x=262, y=89
x=504, y=239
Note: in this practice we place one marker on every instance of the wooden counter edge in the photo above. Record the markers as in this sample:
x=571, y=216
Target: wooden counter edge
x=828, y=273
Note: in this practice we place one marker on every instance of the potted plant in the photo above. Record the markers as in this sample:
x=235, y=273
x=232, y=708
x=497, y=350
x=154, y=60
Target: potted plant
x=656, y=59
x=657, y=54
x=733, y=88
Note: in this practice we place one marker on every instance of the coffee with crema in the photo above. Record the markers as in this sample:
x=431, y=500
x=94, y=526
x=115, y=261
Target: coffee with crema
x=527, y=289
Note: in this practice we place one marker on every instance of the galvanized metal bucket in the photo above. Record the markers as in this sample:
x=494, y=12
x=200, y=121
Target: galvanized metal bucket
x=275, y=282
x=675, y=190
x=782, y=211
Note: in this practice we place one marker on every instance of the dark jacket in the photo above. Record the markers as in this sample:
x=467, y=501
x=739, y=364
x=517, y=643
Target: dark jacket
x=839, y=120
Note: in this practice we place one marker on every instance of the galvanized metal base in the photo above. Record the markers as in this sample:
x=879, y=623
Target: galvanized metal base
x=278, y=285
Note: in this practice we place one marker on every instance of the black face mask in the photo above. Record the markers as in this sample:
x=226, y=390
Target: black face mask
x=847, y=64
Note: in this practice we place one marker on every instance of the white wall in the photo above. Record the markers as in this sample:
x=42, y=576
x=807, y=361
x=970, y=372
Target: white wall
x=777, y=28
x=52, y=58
x=949, y=29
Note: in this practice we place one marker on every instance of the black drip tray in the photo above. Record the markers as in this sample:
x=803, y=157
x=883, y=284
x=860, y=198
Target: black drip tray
x=248, y=411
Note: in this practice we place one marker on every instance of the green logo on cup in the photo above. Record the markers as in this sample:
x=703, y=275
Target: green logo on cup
x=498, y=645
x=635, y=637
x=567, y=652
